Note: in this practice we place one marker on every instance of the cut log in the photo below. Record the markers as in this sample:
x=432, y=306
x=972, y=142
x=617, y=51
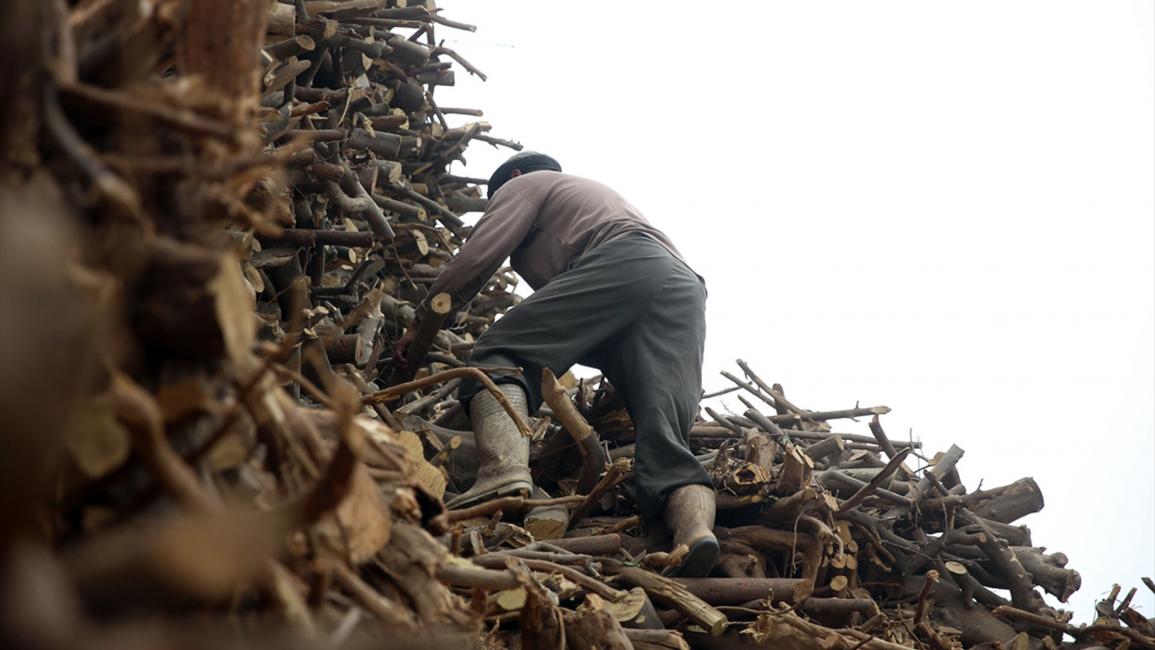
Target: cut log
x=735, y=591
x=671, y=594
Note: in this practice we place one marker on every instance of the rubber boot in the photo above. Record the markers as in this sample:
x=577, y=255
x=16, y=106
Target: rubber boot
x=502, y=452
x=689, y=514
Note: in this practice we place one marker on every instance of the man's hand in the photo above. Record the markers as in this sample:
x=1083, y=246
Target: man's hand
x=401, y=349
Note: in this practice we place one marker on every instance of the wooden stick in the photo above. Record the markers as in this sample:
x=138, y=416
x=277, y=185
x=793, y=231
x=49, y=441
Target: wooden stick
x=880, y=436
x=671, y=593
x=588, y=583
x=462, y=574
x=509, y=503
x=920, y=611
x=453, y=373
x=751, y=388
x=865, y=491
x=837, y=476
x=593, y=457
x=780, y=400
x=617, y=472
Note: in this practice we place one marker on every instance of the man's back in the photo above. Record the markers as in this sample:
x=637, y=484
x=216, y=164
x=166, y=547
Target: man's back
x=544, y=222
x=573, y=216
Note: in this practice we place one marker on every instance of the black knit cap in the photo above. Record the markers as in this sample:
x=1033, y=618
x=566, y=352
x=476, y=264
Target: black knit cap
x=526, y=161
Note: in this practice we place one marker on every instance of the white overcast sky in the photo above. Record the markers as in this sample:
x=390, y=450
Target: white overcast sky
x=946, y=208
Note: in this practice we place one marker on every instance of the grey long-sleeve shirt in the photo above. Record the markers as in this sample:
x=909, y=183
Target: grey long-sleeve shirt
x=543, y=221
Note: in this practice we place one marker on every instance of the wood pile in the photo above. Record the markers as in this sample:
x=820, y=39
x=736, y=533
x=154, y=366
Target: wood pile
x=218, y=216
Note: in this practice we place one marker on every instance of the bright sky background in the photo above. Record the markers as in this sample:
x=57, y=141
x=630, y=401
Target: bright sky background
x=946, y=208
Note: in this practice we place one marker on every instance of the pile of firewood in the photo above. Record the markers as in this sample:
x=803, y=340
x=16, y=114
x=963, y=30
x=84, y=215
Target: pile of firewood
x=219, y=216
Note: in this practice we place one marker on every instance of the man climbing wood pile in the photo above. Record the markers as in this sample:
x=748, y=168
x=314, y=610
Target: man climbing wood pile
x=611, y=292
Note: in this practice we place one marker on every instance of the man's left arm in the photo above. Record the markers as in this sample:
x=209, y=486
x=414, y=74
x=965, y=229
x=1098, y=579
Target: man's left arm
x=508, y=219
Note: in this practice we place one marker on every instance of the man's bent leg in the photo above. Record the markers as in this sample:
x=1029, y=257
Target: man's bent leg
x=658, y=367
x=659, y=370
x=503, y=453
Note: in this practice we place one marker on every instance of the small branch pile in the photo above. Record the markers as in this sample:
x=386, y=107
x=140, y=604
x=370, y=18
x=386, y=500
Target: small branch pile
x=218, y=218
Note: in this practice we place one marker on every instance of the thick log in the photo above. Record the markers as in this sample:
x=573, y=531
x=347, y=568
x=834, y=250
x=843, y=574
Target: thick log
x=978, y=625
x=400, y=207
x=412, y=552
x=307, y=237
x=439, y=308
x=1048, y=571
x=290, y=47
x=1017, y=500
x=838, y=608
x=825, y=449
x=1015, y=535
x=745, y=479
x=386, y=145
x=540, y=621
x=1002, y=504
x=608, y=544
x=796, y=470
x=735, y=591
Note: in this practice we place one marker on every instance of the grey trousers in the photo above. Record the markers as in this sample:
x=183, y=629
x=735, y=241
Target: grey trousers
x=635, y=312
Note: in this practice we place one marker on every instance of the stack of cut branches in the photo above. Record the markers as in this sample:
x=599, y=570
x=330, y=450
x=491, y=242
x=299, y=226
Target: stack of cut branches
x=219, y=215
